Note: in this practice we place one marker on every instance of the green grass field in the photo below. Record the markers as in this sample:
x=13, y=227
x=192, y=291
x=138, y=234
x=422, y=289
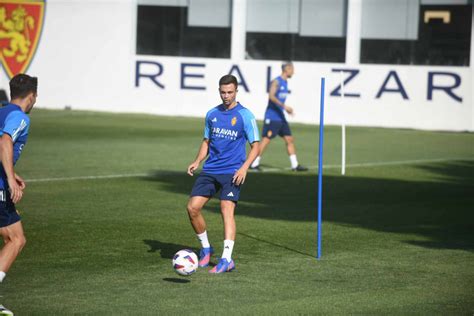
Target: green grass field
x=104, y=212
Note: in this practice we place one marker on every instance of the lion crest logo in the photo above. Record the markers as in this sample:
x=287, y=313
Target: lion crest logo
x=21, y=23
x=234, y=121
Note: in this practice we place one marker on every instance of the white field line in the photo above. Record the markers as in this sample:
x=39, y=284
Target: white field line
x=355, y=165
x=110, y=176
x=376, y=164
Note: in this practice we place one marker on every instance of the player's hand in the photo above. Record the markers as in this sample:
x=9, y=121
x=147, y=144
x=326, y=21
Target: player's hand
x=193, y=167
x=15, y=190
x=239, y=176
x=289, y=109
x=20, y=182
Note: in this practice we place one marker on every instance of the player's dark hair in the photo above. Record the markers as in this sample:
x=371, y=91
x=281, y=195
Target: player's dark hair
x=286, y=63
x=21, y=85
x=228, y=79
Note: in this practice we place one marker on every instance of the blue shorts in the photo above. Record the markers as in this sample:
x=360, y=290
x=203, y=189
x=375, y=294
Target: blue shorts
x=273, y=128
x=8, y=213
x=209, y=184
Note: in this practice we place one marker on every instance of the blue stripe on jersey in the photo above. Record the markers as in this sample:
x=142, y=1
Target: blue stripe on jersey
x=275, y=112
x=228, y=132
x=15, y=124
x=250, y=126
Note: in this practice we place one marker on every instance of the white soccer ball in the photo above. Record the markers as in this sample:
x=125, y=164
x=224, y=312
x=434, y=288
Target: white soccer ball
x=185, y=262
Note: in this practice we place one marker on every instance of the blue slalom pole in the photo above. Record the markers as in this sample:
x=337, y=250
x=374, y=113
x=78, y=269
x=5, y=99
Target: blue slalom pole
x=320, y=169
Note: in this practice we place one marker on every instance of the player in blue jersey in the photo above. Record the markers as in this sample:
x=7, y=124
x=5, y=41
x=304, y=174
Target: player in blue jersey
x=14, y=125
x=228, y=127
x=275, y=122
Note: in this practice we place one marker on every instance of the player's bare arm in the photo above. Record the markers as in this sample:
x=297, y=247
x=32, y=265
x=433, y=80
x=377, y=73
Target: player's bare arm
x=272, y=95
x=241, y=174
x=6, y=154
x=202, y=154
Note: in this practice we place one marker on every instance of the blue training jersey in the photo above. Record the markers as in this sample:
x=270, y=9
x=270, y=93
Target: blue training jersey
x=275, y=112
x=228, y=132
x=14, y=122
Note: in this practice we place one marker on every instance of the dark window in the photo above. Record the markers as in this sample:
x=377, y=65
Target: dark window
x=163, y=30
x=285, y=46
x=438, y=43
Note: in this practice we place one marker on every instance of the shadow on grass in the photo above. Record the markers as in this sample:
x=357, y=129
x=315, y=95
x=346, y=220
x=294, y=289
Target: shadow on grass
x=167, y=250
x=176, y=280
x=274, y=244
x=439, y=210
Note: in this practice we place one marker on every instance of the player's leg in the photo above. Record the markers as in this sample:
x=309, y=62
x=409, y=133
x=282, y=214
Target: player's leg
x=11, y=231
x=14, y=242
x=285, y=132
x=227, y=212
x=194, y=207
x=290, y=145
x=204, y=188
x=229, y=196
x=226, y=264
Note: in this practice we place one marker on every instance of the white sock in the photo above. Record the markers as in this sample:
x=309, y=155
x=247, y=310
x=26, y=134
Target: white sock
x=2, y=276
x=203, y=239
x=293, y=161
x=256, y=162
x=228, y=247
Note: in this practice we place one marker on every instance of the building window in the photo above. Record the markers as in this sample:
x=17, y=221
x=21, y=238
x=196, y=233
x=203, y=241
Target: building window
x=305, y=30
x=178, y=28
x=439, y=35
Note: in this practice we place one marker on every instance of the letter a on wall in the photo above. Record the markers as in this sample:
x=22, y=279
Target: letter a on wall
x=21, y=23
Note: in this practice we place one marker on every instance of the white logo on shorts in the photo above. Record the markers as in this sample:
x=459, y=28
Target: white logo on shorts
x=267, y=121
x=230, y=194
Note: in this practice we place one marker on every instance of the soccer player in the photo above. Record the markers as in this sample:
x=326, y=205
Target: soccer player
x=228, y=127
x=14, y=123
x=275, y=122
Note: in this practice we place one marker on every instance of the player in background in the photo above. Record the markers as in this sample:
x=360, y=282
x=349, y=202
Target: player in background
x=228, y=127
x=14, y=124
x=275, y=122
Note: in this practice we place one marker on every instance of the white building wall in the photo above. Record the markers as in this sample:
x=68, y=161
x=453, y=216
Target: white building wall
x=86, y=59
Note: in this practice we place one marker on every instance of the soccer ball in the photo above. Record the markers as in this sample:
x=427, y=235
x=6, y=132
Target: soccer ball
x=185, y=262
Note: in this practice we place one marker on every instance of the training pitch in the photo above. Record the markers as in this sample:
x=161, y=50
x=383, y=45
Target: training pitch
x=104, y=212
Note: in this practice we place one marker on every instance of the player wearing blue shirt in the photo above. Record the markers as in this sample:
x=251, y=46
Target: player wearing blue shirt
x=14, y=125
x=275, y=122
x=228, y=127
